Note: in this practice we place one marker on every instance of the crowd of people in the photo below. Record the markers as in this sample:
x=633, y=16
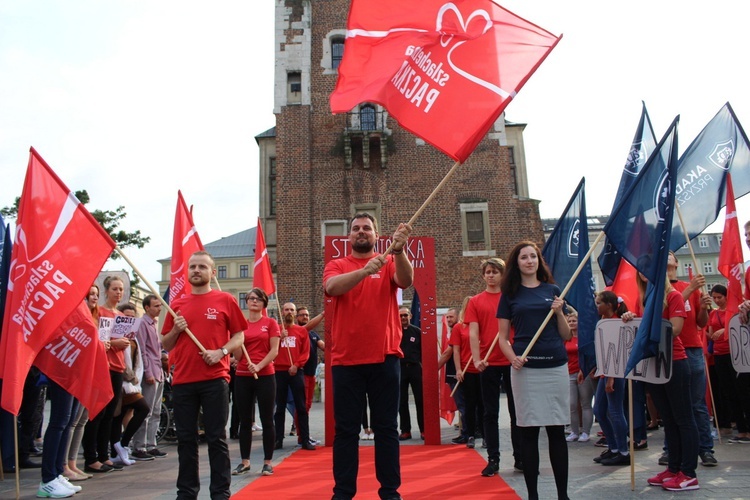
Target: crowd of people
x=516, y=337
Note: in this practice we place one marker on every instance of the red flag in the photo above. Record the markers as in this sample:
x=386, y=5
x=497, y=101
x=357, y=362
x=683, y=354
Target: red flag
x=185, y=242
x=447, y=404
x=59, y=250
x=76, y=360
x=446, y=72
x=262, y=273
x=625, y=286
x=730, y=255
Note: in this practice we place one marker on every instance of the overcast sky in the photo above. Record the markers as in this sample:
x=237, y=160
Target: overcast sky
x=135, y=100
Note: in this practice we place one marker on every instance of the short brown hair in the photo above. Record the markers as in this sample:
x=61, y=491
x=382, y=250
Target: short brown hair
x=495, y=262
x=364, y=215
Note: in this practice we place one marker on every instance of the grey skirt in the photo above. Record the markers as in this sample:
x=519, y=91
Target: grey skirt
x=542, y=396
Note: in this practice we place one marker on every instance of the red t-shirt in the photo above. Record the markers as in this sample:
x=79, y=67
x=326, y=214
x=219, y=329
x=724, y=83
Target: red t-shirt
x=297, y=342
x=115, y=357
x=258, y=337
x=482, y=309
x=571, y=347
x=716, y=321
x=691, y=334
x=365, y=323
x=675, y=309
x=213, y=318
x=460, y=338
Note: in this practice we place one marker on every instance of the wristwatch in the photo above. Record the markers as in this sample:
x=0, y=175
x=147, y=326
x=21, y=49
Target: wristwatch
x=224, y=351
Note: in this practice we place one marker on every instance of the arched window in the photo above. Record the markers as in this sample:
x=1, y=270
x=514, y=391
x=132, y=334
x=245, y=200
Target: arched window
x=367, y=117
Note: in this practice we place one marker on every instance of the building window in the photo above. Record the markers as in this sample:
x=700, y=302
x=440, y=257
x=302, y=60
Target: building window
x=512, y=162
x=221, y=272
x=708, y=268
x=244, y=271
x=332, y=228
x=243, y=304
x=703, y=241
x=688, y=267
x=475, y=229
x=337, y=51
x=367, y=117
x=294, y=87
x=272, y=187
x=474, y=226
x=718, y=238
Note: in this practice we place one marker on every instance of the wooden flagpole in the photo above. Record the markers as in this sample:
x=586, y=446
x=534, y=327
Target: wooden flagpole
x=158, y=295
x=462, y=373
x=486, y=357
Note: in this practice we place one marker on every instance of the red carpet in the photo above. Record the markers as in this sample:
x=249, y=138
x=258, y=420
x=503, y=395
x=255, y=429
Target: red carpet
x=426, y=472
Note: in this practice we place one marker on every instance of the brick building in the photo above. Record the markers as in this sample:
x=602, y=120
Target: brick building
x=318, y=169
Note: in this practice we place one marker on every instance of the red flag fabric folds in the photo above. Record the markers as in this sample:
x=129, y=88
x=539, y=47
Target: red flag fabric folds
x=76, y=360
x=185, y=242
x=730, y=255
x=262, y=273
x=59, y=250
x=444, y=70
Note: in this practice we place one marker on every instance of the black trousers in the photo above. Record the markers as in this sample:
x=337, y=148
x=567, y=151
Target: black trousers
x=411, y=375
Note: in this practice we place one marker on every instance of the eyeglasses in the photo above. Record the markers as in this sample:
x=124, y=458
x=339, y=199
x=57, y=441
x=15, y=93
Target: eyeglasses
x=404, y=315
x=253, y=299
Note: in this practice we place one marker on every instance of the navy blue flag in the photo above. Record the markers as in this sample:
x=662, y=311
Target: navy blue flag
x=644, y=143
x=640, y=228
x=721, y=148
x=7, y=247
x=564, y=251
x=416, y=310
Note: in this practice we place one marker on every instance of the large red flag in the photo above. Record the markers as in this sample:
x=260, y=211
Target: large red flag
x=262, y=273
x=76, y=360
x=730, y=255
x=185, y=242
x=445, y=71
x=59, y=250
x=447, y=403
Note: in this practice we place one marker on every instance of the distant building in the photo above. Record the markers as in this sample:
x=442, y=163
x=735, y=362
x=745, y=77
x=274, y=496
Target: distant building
x=706, y=248
x=234, y=257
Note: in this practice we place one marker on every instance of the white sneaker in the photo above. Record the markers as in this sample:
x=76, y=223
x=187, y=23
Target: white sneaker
x=572, y=437
x=583, y=437
x=119, y=461
x=123, y=453
x=54, y=489
x=70, y=485
x=256, y=427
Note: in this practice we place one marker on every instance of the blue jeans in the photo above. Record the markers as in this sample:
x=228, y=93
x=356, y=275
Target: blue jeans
x=55, y=453
x=639, y=411
x=675, y=408
x=608, y=408
x=188, y=399
x=458, y=398
x=379, y=382
x=698, y=398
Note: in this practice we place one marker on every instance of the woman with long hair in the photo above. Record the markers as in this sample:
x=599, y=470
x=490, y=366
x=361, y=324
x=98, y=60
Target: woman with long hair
x=97, y=432
x=673, y=399
x=610, y=395
x=262, y=338
x=539, y=380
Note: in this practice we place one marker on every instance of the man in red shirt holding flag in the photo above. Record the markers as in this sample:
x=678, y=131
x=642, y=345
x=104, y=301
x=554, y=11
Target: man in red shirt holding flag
x=201, y=380
x=365, y=353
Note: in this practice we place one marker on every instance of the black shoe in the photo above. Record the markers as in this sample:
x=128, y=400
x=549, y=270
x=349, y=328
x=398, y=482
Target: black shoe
x=605, y=454
x=279, y=445
x=101, y=470
x=491, y=469
x=28, y=464
x=157, y=453
x=241, y=469
x=233, y=435
x=470, y=443
x=35, y=452
x=518, y=466
x=616, y=459
x=459, y=440
x=664, y=459
x=308, y=446
x=708, y=459
x=641, y=446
